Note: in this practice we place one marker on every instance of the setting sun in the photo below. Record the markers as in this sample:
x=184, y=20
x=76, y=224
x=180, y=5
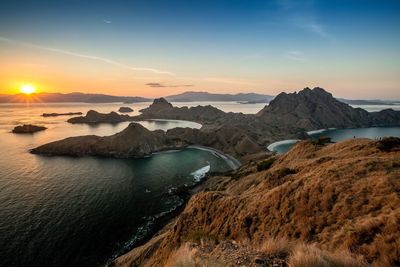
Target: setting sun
x=27, y=89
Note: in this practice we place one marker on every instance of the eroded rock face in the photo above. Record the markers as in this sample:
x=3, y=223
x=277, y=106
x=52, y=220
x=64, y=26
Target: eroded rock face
x=96, y=117
x=28, y=128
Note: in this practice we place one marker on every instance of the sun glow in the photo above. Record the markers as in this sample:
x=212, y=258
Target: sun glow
x=27, y=89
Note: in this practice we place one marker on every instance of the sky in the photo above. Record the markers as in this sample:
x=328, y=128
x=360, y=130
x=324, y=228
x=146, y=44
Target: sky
x=155, y=48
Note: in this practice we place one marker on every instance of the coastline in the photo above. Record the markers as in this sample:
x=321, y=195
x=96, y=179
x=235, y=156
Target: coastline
x=232, y=162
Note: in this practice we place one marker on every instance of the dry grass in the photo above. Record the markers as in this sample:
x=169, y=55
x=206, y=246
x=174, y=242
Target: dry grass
x=280, y=246
x=343, y=197
x=310, y=256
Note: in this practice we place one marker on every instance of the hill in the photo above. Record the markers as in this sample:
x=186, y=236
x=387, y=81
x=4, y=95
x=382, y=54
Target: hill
x=72, y=97
x=312, y=109
x=335, y=205
x=205, y=96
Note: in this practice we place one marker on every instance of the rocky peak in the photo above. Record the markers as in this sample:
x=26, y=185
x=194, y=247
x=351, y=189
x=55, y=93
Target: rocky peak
x=312, y=109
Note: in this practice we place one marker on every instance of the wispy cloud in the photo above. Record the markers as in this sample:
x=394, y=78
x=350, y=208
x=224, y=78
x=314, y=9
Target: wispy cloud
x=157, y=85
x=303, y=14
x=91, y=57
x=296, y=55
x=107, y=21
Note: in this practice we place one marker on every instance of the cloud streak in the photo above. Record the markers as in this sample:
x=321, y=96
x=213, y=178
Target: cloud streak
x=296, y=55
x=91, y=57
x=158, y=85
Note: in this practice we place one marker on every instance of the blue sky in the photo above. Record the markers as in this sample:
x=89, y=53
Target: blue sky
x=351, y=48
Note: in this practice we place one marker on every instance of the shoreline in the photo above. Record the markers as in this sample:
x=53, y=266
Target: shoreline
x=232, y=162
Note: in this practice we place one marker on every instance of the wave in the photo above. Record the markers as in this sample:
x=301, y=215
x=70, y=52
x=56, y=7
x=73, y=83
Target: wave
x=200, y=173
x=272, y=147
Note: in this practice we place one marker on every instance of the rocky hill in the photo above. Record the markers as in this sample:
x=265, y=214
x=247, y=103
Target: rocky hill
x=205, y=96
x=162, y=109
x=335, y=205
x=136, y=141
x=93, y=117
x=312, y=109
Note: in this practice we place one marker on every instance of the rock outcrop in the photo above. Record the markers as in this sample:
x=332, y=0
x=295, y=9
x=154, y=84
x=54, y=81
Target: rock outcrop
x=96, y=117
x=343, y=198
x=125, y=109
x=61, y=114
x=28, y=128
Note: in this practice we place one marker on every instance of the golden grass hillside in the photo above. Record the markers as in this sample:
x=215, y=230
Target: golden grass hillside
x=340, y=199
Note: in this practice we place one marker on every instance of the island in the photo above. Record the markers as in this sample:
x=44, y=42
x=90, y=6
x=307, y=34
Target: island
x=61, y=114
x=28, y=129
x=243, y=136
x=125, y=109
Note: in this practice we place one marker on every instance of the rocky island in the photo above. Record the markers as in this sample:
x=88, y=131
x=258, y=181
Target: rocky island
x=243, y=136
x=28, y=129
x=125, y=109
x=61, y=114
x=93, y=117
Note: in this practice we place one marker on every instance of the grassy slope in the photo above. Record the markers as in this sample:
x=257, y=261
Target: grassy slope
x=342, y=197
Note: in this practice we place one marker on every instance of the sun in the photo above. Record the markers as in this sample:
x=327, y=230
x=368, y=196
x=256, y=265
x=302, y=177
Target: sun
x=27, y=89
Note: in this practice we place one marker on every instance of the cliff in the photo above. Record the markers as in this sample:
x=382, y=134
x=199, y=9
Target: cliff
x=344, y=198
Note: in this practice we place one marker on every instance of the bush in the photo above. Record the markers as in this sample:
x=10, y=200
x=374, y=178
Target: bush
x=322, y=141
x=388, y=144
x=265, y=165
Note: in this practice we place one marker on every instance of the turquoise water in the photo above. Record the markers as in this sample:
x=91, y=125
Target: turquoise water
x=340, y=134
x=61, y=211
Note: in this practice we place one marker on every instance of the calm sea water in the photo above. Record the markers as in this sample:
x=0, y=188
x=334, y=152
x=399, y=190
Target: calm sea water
x=60, y=211
x=340, y=134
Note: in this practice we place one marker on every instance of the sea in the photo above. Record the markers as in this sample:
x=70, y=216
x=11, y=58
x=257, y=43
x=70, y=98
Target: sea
x=65, y=211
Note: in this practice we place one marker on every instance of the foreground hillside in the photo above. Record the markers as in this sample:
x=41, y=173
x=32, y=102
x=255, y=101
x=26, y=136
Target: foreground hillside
x=335, y=205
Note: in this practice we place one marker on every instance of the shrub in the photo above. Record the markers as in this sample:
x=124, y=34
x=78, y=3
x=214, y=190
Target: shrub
x=388, y=144
x=321, y=141
x=265, y=165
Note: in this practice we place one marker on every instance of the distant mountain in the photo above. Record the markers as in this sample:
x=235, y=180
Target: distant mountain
x=204, y=96
x=369, y=102
x=72, y=97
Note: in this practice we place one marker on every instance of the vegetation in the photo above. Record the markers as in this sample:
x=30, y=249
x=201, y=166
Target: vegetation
x=266, y=164
x=388, y=144
x=321, y=141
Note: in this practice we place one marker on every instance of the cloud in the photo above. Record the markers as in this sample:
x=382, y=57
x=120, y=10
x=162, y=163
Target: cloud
x=91, y=57
x=157, y=85
x=107, y=21
x=296, y=55
x=303, y=14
